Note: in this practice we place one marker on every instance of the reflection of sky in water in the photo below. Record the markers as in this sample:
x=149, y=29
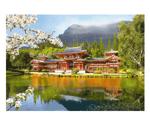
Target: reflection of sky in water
x=29, y=105
x=73, y=98
x=66, y=103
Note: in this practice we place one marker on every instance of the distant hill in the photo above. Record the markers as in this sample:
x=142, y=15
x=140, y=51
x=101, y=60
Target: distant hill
x=82, y=33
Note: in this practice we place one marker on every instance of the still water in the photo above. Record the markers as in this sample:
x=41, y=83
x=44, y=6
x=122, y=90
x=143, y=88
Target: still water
x=53, y=93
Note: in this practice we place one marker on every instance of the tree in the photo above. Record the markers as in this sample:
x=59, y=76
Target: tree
x=115, y=44
x=8, y=62
x=29, y=37
x=22, y=60
x=131, y=42
x=93, y=52
x=109, y=44
x=101, y=47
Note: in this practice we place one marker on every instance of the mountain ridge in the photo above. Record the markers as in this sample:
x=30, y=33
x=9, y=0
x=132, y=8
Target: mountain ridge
x=90, y=33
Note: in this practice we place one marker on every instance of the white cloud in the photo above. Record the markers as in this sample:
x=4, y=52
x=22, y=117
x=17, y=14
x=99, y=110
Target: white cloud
x=96, y=21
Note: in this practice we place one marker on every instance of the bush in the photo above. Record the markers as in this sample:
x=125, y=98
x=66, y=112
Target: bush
x=97, y=71
x=75, y=71
x=22, y=61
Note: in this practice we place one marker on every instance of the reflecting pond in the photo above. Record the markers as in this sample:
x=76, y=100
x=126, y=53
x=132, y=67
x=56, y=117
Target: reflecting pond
x=52, y=93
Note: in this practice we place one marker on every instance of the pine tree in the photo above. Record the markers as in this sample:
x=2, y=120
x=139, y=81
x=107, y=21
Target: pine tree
x=94, y=52
x=101, y=47
x=109, y=44
x=115, y=45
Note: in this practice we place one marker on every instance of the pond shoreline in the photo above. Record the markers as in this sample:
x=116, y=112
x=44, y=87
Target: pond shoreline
x=88, y=75
x=79, y=75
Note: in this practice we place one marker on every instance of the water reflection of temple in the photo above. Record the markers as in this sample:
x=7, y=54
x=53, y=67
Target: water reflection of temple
x=109, y=85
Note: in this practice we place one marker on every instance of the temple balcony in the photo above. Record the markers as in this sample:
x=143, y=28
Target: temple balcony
x=72, y=57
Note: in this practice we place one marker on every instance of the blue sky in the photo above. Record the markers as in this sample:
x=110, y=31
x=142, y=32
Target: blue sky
x=59, y=23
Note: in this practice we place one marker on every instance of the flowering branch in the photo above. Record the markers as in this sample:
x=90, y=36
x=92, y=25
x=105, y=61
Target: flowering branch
x=31, y=37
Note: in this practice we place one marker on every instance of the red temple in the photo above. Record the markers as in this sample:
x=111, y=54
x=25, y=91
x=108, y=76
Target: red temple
x=75, y=58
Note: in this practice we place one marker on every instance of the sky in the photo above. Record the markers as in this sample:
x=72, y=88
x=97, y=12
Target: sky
x=59, y=23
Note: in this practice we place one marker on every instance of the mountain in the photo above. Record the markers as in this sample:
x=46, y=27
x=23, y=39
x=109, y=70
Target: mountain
x=82, y=33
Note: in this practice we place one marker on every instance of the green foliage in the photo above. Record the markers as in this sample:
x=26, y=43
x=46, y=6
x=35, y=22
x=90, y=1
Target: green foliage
x=108, y=105
x=94, y=52
x=109, y=45
x=101, y=47
x=115, y=44
x=131, y=42
x=75, y=70
x=95, y=49
x=48, y=94
x=8, y=61
x=75, y=44
x=47, y=51
x=47, y=44
x=22, y=61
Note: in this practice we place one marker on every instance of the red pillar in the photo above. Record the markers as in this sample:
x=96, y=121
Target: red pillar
x=67, y=66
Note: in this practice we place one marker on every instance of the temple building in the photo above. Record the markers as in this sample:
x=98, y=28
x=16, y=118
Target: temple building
x=76, y=58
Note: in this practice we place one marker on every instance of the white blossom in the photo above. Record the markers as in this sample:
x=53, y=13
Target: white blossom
x=17, y=104
x=29, y=90
x=19, y=21
x=17, y=100
x=10, y=101
x=30, y=37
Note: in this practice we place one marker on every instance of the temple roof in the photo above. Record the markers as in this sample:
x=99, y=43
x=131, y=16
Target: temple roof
x=111, y=51
x=54, y=60
x=104, y=58
x=46, y=61
x=49, y=61
x=42, y=56
x=97, y=59
x=72, y=50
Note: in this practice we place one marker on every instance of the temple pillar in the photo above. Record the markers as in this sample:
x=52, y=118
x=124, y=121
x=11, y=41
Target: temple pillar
x=82, y=66
x=67, y=66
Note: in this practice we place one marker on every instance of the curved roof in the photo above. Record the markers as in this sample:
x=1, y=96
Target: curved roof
x=111, y=51
x=72, y=50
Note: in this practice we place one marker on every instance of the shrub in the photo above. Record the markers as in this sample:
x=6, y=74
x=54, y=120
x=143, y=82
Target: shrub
x=75, y=70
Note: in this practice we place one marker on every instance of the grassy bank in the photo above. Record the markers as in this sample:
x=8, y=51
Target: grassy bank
x=128, y=74
x=80, y=75
x=14, y=72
